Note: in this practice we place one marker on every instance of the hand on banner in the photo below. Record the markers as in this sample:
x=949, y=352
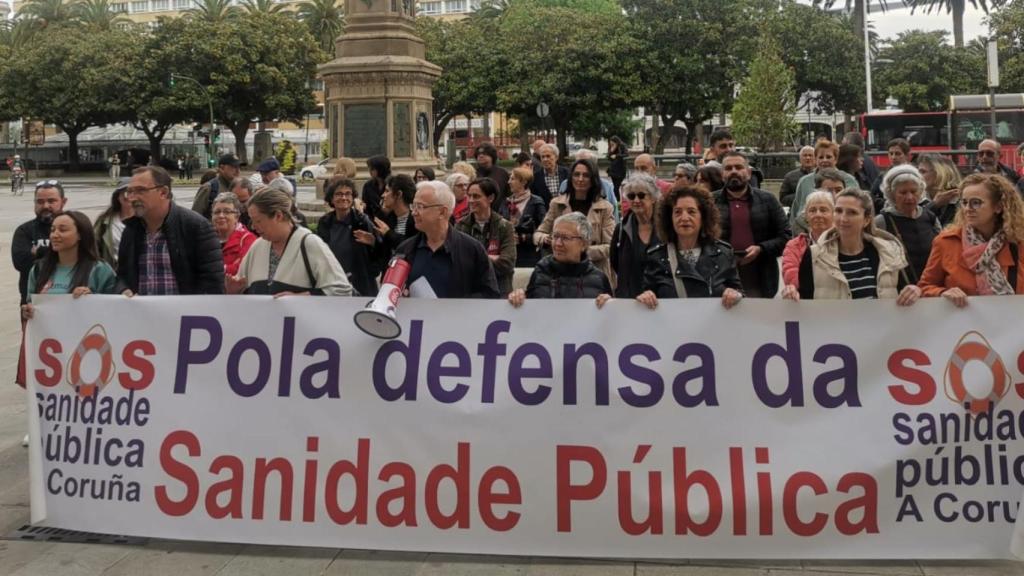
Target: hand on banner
x=80, y=291
x=517, y=297
x=731, y=298
x=601, y=299
x=234, y=284
x=956, y=296
x=647, y=298
x=128, y=293
x=908, y=295
x=790, y=292
x=27, y=311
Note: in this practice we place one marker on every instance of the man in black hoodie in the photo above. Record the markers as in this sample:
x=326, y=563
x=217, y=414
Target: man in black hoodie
x=32, y=239
x=487, y=167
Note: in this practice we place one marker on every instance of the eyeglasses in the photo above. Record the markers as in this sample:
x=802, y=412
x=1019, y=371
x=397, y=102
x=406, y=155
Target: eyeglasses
x=224, y=212
x=47, y=184
x=419, y=207
x=139, y=190
x=346, y=194
x=636, y=196
x=974, y=203
x=562, y=239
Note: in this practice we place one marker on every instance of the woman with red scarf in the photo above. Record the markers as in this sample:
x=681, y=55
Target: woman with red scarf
x=980, y=254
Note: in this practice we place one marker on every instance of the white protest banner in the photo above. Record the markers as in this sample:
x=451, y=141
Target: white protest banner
x=775, y=429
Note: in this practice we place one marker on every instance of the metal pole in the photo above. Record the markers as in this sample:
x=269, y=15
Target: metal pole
x=209, y=101
x=992, y=111
x=867, y=57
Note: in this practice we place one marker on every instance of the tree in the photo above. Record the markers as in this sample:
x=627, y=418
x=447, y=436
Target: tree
x=47, y=12
x=1007, y=25
x=571, y=59
x=15, y=34
x=325, y=20
x=956, y=8
x=471, y=68
x=603, y=125
x=98, y=14
x=921, y=70
x=693, y=53
x=764, y=109
x=71, y=78
x=263, y=6
x=215, y=11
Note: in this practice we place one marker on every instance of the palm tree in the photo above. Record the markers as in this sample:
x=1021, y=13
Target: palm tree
x=215, y=11
x=492, y=9
x=15, y=34
x=47, y=12
x=957, y=8
x=98, y=14
x=262, y=6
x=325, y=19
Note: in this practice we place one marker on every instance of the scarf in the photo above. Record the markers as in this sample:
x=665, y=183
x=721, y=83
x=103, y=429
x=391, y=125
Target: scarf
x=981, y=258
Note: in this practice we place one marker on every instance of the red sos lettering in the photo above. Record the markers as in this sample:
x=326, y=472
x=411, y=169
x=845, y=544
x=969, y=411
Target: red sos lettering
x=137, y=374
x=918, y=387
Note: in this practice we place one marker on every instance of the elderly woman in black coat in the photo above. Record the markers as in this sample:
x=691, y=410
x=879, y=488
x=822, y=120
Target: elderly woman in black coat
x=566, y=272
x=635, y=235
x=692, y=262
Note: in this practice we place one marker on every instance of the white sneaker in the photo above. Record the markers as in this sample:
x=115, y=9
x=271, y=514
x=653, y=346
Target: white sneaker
x=24, y=441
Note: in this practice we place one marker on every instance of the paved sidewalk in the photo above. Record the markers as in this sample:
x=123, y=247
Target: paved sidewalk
x=174, y=558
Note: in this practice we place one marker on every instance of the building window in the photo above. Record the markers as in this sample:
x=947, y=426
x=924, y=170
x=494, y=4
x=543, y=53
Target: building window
x=140, y=7
x=182, y=4
x=456, y=6
x=160, y=5
x=430, y=8
x=121, y=7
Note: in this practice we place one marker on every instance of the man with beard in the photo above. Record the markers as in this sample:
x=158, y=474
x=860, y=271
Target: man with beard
x=754, y=223
x=165, y=249
x=32, y=239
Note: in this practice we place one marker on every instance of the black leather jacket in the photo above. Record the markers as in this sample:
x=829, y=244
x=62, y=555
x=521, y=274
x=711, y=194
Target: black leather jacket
x=714, y=272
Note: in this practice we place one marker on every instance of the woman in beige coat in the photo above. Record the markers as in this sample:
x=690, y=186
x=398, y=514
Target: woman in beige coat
x=584, y=195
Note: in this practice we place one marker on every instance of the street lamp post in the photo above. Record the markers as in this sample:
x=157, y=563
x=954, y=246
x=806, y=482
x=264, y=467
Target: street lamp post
x=209, y=100
x=993, y=83
x=867, y=55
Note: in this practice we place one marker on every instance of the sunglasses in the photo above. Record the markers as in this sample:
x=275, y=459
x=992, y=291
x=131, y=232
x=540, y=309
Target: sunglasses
x=47, y=184
x=636, y=196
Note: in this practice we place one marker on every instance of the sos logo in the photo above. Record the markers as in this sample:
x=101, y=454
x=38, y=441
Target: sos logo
x=137, y=371
x=973, y=347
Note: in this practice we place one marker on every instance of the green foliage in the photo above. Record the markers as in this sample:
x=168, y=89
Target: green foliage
x=286, y=156
x=325, y=20
x=956, y=8
x=921, y=70
x=215, y=11
x=262, y=6
x=47, y=12
x=763, y=113
x=1007, y=26
x=604, y=125
x=98, y=14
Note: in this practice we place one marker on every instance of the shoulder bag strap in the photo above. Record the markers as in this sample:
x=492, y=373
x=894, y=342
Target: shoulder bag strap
x=305, y=261
x=891, y=224
x=673, y=261
x=1011, y=275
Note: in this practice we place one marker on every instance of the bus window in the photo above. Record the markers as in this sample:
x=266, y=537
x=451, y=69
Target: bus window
x=921, y=130
x=974, y=126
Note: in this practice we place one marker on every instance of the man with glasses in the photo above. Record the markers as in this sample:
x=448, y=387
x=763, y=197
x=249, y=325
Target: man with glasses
x=166, y=249
x=32, y=239
x=444, y=263
x=685, y=174
x=988, y=161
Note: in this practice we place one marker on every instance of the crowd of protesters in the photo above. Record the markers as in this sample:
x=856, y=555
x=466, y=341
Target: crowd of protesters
x=852, y=231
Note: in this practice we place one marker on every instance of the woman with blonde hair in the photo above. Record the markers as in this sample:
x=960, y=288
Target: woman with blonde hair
x=942, y=186
x=980, y=254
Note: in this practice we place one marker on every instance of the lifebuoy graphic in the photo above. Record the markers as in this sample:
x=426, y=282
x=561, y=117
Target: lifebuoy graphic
x=94, y=340
x=978, y=349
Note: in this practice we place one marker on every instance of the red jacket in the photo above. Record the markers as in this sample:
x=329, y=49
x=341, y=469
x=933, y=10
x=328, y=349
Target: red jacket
x=236, y=247
x=947, y=268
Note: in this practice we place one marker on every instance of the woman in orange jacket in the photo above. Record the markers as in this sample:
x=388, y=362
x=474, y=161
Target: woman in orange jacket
x=981, y=253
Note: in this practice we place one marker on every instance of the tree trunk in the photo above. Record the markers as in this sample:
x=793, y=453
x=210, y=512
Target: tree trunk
x=857, y=18
x=155, y=135
x=239, y=130
x=655, y=131
x=958, y=23
x=73, y=132
x=562, y=125
x=691, y=131
x=524, y=136
x=667, y=123
x=440, y=123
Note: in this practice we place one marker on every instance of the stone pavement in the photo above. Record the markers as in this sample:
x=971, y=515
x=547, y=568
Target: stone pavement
x=175, y=558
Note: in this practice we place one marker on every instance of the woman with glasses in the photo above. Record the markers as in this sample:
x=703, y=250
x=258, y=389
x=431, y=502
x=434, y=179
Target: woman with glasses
x=585, y=195
x=566, y=272
x=980, y=254
x=235, y=239
x=349, y=234
x=635, y=236
x=685, y=174
x=458, y=183
x=691, y=261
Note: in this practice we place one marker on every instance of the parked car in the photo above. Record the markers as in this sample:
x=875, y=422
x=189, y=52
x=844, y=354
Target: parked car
x=314, y=171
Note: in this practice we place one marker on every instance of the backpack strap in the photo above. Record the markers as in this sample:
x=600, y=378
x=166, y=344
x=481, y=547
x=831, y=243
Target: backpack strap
x=1012, y=272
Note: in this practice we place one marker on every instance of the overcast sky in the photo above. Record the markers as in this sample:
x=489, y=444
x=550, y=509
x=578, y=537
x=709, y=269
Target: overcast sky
x=890, y=23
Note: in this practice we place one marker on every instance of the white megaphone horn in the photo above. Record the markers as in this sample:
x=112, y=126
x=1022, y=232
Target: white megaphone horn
x=378, y=318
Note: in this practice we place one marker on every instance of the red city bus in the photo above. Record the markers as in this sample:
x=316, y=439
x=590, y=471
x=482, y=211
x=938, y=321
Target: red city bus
x=962, y=127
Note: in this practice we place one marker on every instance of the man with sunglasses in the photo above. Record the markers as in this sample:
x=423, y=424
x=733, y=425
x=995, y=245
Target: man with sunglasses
x=32, y=239
x=988, y=161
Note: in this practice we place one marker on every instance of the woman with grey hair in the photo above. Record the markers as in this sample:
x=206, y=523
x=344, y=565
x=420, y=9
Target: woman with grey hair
x=906, y=217
x=635, y=235
x=567, y=272
x=458, y=183
x=235, y=239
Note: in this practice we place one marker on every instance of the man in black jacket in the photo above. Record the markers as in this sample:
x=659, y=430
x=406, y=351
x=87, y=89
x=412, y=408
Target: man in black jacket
x=754, y=223
x=32, y=239
x=487, y=167
x=166, y=249
x=548, y=175
x=444, y=261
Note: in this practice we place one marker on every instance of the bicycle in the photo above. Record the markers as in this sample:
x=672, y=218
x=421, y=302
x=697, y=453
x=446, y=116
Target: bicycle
x=17, y=182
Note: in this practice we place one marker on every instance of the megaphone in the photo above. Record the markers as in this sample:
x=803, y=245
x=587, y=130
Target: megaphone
x=378, y=318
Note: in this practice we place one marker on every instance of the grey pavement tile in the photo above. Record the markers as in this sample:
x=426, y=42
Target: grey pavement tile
x=378, y=563
x=756, y=564
x=14, y=554
x=472, y=564
x=12, y=518
x=879, y=567
x=972, y=568
x=279, y=561
x=645, y=569
x=75, y=560
x=580, y=567
x=165, y=558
